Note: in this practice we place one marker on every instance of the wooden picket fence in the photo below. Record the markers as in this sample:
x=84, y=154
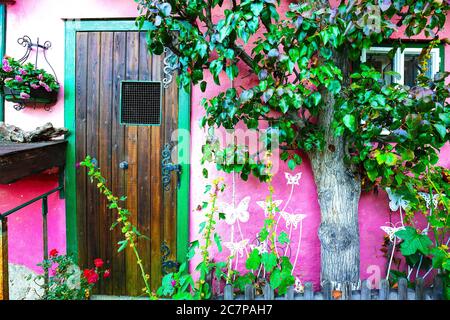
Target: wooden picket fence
x=402, y=292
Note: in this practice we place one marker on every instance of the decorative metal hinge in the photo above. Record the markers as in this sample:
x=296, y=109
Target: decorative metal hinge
x=168, y=167
x=170, y=65
x=167, y=265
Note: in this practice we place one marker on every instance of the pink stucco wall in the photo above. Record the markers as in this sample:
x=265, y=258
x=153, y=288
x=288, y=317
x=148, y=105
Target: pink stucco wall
x=25, y=226
x=43, y=19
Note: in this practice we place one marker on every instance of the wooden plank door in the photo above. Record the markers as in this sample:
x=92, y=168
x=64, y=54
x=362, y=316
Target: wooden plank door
x=103, y=60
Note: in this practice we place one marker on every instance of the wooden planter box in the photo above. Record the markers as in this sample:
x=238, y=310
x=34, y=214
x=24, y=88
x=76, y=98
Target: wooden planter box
x=38, y=96
x=19, y=160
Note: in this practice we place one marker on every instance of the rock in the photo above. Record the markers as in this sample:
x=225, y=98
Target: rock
x=45, y=133
x=22, y=285
x=11, y=133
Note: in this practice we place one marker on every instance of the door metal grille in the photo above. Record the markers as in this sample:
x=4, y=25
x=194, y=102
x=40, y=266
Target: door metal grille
x=141, y=103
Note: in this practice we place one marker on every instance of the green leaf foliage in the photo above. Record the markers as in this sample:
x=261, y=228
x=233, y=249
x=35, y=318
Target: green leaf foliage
x=413, y=241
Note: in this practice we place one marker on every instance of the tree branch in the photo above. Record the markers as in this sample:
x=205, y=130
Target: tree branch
x=244, y=56
x=208, y=20
x=173, y=47
x=299, y=122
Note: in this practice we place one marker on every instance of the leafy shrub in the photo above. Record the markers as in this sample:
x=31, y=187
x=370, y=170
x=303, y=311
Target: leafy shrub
x=66, y=280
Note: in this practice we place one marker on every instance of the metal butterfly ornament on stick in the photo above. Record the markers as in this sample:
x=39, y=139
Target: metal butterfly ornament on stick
x=237, y=214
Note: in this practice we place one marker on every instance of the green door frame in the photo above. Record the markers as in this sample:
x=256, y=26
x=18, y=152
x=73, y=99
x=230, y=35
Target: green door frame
x=184, y=123
x=2, y=52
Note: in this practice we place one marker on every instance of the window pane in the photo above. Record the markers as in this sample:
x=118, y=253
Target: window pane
x=412, y=69
x=381, y=63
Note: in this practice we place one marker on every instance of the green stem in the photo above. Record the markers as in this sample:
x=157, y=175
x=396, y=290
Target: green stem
x=143, y=274
x=440, y=194
x=123, y=217
x=208, y=231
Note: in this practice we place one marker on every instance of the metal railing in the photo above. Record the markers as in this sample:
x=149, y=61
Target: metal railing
x=4, y=274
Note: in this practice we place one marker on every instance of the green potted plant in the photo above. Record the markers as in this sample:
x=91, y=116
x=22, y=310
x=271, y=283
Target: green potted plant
x=24, y=83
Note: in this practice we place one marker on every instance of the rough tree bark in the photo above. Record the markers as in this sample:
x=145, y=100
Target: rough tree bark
x=339, y=191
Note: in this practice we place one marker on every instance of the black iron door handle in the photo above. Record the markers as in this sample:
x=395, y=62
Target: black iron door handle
x=166, y=264
x=167, y=167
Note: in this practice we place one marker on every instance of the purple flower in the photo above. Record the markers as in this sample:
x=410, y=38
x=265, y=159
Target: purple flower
x=23, y=72
x=7, y=68
x=45, y=86
x=174, y=283
x=24, y=95
x=19, y=78
x=40, y=77
x=34, y=86
x=9, y=79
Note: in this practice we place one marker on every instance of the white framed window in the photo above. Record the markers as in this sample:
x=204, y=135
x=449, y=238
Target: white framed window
x=405, y=63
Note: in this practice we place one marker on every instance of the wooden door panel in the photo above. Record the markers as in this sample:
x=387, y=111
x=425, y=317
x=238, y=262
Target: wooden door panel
x=118, y=155
x=81, y=151
x=103, y=60
x=92, y=126
x=170, y=201
x=144, y=169
x=105, y=146
x=131, y=143
x=156, y=185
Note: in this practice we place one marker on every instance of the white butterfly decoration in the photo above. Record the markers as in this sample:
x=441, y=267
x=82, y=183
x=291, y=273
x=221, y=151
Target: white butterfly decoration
x=425, y=231
x=262, y=248
x=236, y=247
x=293, y=180
x=427, y=199
x=292, y=219
x=396, y=200
x=263, y=205
x=233, y=214
x=298, y=287
x=391, y=231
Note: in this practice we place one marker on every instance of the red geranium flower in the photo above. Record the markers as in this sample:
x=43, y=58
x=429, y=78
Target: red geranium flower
x=98, y=263
x=106, y=274
x=90, y=275
x=53, y=253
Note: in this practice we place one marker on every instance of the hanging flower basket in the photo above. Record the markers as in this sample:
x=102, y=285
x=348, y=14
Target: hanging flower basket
x=36, y=96
x=25, y=84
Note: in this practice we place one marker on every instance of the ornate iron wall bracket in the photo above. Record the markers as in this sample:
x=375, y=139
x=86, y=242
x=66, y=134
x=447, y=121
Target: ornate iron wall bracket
x=168, y=167
x=29, y=45
x=170, y=65
x=167, y=265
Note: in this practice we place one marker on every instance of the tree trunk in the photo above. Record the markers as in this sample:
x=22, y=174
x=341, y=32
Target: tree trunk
x=339, y=191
